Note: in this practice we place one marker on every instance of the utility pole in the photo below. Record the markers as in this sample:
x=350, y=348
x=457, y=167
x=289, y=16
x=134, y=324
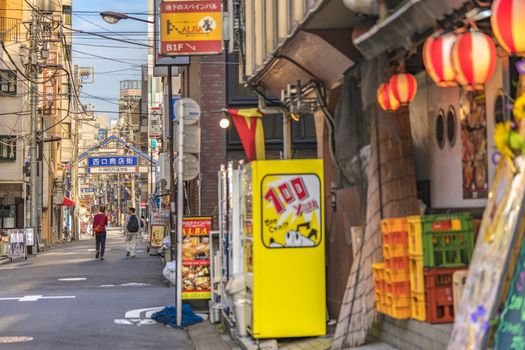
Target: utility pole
x=34, y=132
x=76, y=213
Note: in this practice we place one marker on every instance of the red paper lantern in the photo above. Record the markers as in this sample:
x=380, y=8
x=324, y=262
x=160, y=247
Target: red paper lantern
x=473, y=59
x=508, y=24
x=386, y=99
x=403, y=87
x=436, y=57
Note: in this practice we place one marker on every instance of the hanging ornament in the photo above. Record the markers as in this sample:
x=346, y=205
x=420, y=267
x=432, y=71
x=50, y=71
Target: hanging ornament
x=437, y=59
x=473, y=59
x=403, y=87
x=386, y=99
x=508, y=25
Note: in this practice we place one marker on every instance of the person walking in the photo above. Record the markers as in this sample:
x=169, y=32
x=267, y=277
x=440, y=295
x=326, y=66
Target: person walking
x=131, y=227
x=100, y=222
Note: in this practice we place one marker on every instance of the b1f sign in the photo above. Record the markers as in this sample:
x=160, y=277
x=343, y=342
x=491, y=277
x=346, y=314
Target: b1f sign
x=191, y=28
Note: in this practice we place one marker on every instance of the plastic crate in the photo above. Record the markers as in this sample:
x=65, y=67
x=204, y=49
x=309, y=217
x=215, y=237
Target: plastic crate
x=415, y=239
x=393, y=276
x=380, y=285
x=393, y=225
x=439, y=295
x=417, y=303
x=395, y=250
x=398, y=306
x=448, y=240
x=417, y=278
x=398, y=288
x=378, y=270
x=400, y=263
x=459, y=278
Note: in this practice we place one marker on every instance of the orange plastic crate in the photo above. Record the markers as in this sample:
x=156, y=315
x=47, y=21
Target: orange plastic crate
x=395, y=250
x=393, y=276
x=395, y=238
x=398, y=288
x=394, y=225
x=400, y=263
x=380, y=286
x=415, y=238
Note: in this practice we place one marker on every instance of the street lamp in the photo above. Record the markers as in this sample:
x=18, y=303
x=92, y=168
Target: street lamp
x=224, y=123
x=112, y=17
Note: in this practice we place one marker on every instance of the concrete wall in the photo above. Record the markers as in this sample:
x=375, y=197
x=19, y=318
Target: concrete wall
x=431, y=162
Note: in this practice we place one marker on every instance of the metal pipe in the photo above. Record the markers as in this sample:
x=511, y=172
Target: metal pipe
x=180, y=209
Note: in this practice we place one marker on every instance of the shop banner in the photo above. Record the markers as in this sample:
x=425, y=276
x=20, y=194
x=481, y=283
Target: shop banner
x=489, y=268
x=157, y=236
x=474, y=136
x=50, y=86
x=196, y=280
x=191, y=27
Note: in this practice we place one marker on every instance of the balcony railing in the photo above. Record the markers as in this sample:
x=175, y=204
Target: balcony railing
x=10, y=29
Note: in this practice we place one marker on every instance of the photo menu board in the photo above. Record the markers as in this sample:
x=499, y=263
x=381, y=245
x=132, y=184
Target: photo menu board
x=196, y=280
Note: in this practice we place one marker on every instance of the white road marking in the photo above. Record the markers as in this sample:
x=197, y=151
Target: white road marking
x=12, y=340
x=39, y=297
x=134, y=284
x=73, y=279
x=107, y=285
x=93, y=249
x=136, y=313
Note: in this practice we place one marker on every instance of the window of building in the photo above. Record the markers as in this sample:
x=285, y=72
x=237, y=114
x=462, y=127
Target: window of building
x=440, y=129
x=237, y=93
x=451, y=126
x=7, y=82
x=303, y=131
x=66, y=15
x=66, y=130
x=68, y=52
x=8, y=216
x=7, y=147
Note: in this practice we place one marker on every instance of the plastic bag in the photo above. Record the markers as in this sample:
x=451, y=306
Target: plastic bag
x=170, y=272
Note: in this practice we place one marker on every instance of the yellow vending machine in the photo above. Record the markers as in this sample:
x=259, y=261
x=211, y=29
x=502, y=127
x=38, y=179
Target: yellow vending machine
x=284, y=248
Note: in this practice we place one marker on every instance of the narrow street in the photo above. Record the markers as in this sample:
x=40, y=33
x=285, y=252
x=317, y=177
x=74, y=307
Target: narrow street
x=65, y=299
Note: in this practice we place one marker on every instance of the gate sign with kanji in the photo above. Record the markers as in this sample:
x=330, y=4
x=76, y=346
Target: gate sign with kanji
x=113, y=161
x=191, y=28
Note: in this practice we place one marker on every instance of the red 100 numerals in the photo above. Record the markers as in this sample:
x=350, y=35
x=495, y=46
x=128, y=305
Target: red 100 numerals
x=286, y=193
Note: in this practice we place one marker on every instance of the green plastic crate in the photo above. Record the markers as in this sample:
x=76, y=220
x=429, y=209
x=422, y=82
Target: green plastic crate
x=448, y=240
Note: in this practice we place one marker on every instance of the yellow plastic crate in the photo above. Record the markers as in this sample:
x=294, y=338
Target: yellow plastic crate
x=378, y=269
x=394, y=251
x=399, y=306
x=380, y=299
x=393, y=276
x=459, y=279
x=415, y=238
x=417, y=278
x=418, y=306
x=393, y=225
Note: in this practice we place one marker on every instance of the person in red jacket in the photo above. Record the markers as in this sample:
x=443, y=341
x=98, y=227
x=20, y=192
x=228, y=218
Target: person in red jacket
x=100, y=222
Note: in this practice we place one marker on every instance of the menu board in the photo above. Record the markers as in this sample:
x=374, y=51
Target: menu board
x=157, y=236
x=17, y=244
x=511, y=327
x=196, y=280
x=488, y=268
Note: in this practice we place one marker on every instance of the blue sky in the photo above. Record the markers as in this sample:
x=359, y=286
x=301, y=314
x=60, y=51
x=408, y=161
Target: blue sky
x=108, y=73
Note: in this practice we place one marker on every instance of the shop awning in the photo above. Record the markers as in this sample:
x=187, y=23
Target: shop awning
x=68, y=202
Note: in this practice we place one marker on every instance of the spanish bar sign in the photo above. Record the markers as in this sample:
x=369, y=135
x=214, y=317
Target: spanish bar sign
x=196, y=281
x=191, y=28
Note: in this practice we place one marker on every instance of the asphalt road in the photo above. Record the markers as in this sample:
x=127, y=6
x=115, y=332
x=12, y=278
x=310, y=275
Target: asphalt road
x=65, y=299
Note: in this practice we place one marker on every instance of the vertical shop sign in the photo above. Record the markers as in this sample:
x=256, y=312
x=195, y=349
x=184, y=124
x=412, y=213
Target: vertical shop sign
x=474, y=137
x=49, y=103
x=157, y=236
x=191, y=27
x=196, y=280
x=488, y=270
x=291, y=211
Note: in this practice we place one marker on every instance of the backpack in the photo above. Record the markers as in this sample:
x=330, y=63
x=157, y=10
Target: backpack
x=133, y=224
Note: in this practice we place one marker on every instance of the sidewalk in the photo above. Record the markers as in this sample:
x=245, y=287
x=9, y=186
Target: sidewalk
x=206, y=336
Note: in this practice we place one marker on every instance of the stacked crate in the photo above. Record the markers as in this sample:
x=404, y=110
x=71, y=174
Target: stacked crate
x=439, y=245
x=396, y=268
